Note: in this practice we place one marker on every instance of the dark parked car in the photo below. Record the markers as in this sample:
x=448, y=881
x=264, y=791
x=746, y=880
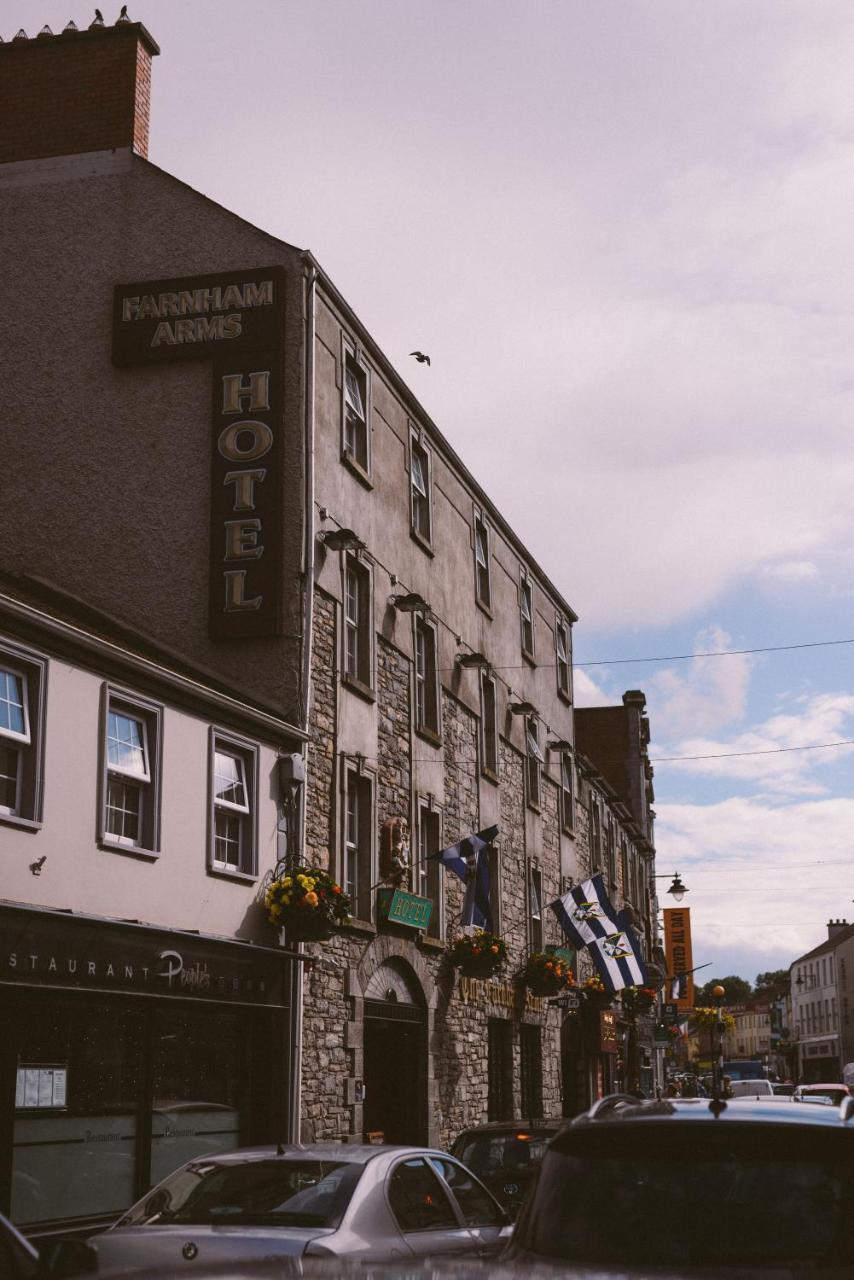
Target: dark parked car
x=505, y=1155
x=688, y=1184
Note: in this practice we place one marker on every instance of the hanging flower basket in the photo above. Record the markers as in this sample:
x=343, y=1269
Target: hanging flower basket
x=478, y=955
x=308, y=903
x=704, y=1018
x=637, y=1000
x=545, y=975
x=595, y=994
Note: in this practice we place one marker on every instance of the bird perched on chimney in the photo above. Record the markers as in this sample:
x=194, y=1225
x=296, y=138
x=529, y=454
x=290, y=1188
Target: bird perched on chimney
x=99, y=19
x=123, y=14
x=420, y=357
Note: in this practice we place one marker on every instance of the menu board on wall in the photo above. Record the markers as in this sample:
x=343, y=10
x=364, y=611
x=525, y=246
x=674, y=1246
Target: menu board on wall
x=41, y=1087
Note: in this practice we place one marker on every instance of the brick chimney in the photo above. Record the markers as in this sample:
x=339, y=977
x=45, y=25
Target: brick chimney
x=834, y=926
x=80, y=91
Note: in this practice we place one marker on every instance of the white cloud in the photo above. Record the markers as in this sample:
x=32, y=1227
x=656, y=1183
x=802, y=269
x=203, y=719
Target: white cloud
x=705, y=694
x=813, y=722
x=590, y=691
x=792, y=571
x=763, y=880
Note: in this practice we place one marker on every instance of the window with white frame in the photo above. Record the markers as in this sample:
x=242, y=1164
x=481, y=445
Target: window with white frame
x=426, y=678
x=488, y=724
x=536, y=904
x=421, y=514
x=234, y=805
x=358, y=859
x=23, y=689
x=567, y=791
x=427, y=873
x=358, y=648
x=356, y=433
x=131, y=772
x=526, y=611
x=482, y=575
x=534, y=761
x=563, y=660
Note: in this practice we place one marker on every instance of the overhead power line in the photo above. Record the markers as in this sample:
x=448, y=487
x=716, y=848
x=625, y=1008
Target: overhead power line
x=713, y=653
x=766, y=751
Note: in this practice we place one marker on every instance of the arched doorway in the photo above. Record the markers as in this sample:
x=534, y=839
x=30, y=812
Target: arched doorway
x=395, y=1056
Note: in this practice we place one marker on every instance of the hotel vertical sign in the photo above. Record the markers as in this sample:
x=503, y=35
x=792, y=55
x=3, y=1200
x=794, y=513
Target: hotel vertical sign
x=236, y=321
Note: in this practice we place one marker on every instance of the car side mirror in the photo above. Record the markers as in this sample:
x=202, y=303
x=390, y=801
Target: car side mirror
x=59, y=1259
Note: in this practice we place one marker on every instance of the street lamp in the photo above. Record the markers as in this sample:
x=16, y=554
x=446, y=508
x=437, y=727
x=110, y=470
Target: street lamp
x=677, y=888
x=718, y=993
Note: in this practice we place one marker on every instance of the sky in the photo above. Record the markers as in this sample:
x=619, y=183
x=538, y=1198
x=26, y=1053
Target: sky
x=622, y=231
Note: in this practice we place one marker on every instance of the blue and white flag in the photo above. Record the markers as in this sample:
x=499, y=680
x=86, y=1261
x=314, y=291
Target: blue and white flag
x=469, y=859
x=589, y=920
x=679, y=986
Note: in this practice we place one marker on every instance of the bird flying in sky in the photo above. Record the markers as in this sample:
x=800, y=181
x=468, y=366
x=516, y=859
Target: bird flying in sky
x=420, y=357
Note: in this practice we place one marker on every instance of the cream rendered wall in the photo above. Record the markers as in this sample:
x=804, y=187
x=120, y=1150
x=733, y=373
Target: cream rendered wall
x=173, y=890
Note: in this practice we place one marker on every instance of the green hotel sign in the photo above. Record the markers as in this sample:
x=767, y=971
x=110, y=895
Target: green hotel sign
x=404, y=908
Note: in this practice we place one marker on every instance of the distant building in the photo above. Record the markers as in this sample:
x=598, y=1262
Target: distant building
x=821, y=980
x=751, y=1035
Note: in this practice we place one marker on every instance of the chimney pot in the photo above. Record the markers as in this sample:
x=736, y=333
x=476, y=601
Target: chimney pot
x=63, y=97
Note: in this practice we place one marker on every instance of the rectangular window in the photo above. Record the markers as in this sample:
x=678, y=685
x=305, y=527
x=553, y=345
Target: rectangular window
x=426, y=678
x=563, y=660
x=356, y=435
x=358, y=648
x=499, y=1103
x=494, y=856
x=23, y=683
x=567, y=792
x=531, y=1071
x=482, y=577
x=536, y=891
x=131, y=772
x=359, y=868
x=526, y=611
x=421, y=514
x=534, y=760
x=234, y=805
x=488, y=724
x=611, y=837
x=625, y=872
x=595, y=832
x=427, y=874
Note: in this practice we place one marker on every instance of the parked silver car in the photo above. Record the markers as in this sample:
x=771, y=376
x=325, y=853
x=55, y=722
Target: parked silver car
x=326, y=1200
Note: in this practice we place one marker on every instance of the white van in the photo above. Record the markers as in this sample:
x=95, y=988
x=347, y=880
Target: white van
x=752, y=1089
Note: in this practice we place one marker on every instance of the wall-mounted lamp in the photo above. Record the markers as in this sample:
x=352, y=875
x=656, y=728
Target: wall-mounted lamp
x=341, y=540
x=677, y=889
x=521, y=708
x=411, y=603
x=472, y=660
x=36, y=867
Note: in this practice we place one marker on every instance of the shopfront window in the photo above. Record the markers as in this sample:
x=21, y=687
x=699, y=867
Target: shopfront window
x=76, y=1105
x=111, y=1098
x=196, y=1073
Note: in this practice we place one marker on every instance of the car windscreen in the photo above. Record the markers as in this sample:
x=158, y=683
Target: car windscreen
x=695, y=1195
x=830, y=1094
x=286, y=1193
x=486, y=1153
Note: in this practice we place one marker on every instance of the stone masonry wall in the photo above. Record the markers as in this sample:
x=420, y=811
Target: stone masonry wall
x=320, y=783
x=394, y=766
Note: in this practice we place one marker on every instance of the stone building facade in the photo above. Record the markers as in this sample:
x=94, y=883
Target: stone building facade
x=325, y=579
